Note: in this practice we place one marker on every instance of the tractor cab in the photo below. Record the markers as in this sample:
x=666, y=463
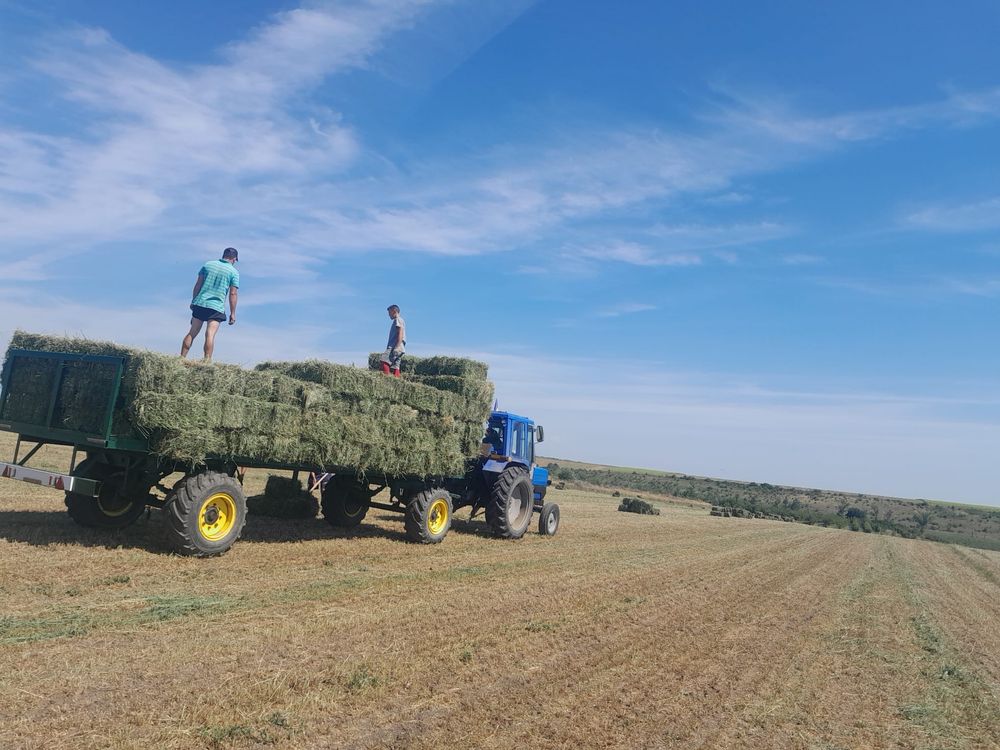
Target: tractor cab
x=511, y=440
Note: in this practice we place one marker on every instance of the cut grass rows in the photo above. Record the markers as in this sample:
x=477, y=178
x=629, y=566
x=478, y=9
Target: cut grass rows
x=676, y=631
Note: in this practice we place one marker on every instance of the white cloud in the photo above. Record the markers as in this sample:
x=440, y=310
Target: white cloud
x=802, y=259
x=625, y=308
x=241, y=143
x=154, y=131
x=969, y=217
x=773, y=116
x=635, y=254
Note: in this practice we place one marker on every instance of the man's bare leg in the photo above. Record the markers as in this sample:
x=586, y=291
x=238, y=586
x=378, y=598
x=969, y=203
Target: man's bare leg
x=191, y=335
x=210, y=330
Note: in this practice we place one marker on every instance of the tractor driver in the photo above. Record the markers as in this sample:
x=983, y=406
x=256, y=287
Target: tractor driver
x=492, y=442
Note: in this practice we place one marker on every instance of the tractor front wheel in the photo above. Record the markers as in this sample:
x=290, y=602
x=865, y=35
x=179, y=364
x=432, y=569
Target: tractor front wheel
x=345, y=501
x=428, y=516
x=117, y=505
x=511, y=503
x=548, y=519
x=205, y=514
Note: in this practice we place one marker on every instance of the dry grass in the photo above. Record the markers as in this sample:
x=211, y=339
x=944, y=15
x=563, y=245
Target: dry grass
x=676, y=631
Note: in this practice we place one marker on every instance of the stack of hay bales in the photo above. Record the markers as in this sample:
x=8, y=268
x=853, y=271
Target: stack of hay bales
x=316, y=414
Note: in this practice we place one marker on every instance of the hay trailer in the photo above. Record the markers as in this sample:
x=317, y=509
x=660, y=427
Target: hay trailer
x=111, y=477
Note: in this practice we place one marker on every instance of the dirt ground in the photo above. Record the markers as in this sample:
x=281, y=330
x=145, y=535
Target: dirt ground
x=673, y=631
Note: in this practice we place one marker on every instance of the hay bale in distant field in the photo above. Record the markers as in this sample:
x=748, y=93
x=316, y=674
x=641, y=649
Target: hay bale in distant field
x=316, y=414
x=635, y=505
x=283, y=497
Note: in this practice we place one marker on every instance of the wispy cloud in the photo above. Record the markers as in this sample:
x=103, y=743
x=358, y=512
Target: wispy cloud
x=635, y=254
x=968, y=217
x=625, y=308
x=924, y=287
x=239, y=147
x=802, y=259
x=155, y=130
x=774, y=116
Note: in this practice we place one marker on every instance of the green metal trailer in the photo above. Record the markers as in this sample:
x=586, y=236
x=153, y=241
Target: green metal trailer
x=112, y=475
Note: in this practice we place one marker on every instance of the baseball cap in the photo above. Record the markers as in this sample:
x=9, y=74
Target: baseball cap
x=231, y=252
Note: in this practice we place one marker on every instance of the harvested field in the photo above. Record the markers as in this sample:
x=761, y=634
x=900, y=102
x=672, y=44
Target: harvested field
x=672, y=631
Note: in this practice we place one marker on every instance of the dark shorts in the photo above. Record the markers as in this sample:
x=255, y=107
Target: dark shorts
x=206, y=314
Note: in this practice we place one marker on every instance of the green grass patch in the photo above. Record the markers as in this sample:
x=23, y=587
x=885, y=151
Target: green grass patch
x=362, y=679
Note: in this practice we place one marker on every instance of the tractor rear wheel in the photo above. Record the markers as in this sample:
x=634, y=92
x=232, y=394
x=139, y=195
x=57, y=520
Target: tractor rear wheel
x=428, y=516
x=117, y=505
x=345, y=501
x=511, y=503
x=205, y=514
x=548, y=519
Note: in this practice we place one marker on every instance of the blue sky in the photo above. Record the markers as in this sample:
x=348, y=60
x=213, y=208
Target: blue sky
x=750, y=240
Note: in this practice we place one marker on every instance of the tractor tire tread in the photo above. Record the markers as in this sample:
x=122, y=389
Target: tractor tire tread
x=332, y=502
x=415, y=518
x=543, y=519
x=184, y=501
x=500, y=494
x=84, y=510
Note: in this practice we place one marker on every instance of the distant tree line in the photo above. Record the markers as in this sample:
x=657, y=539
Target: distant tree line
x=814, y=507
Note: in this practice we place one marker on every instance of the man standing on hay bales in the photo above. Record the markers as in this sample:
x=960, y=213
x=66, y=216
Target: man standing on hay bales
x=217, y=280
x=393, y=356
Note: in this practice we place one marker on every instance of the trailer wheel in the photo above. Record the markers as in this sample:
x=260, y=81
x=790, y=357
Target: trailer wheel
x=428, y=516
x=511, y=503
x=345, y=501
x=205, y=514
x=115, y=508
x=548, y=519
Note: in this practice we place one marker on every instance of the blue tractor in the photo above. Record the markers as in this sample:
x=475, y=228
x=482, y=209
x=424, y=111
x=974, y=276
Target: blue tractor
x=505, y=481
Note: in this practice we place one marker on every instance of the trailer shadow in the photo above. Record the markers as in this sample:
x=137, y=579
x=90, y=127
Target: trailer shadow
x=43, y=528
x=267, y=529
x=458, y=526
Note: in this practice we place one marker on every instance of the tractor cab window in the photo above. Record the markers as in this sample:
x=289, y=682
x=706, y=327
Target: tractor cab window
x=519, y=441
x=494, y=436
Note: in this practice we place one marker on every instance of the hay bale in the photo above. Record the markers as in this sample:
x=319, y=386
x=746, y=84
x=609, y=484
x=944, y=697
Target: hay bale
x=636, y=505
x=283, y=497
x=435, y=366
x=353, y=384
x=315, y=414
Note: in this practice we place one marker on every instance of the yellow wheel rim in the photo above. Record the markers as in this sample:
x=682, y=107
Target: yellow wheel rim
x=437, y=516
x=217, y=516
x=112, y=512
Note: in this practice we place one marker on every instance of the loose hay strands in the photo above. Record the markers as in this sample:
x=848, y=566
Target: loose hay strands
x=315, y=414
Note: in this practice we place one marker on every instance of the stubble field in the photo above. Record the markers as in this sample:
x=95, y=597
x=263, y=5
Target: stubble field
x=675, y=631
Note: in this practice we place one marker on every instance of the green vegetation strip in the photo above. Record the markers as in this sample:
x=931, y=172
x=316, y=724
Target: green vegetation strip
x=77, y=621
x=956, y=695
x=968, y=525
